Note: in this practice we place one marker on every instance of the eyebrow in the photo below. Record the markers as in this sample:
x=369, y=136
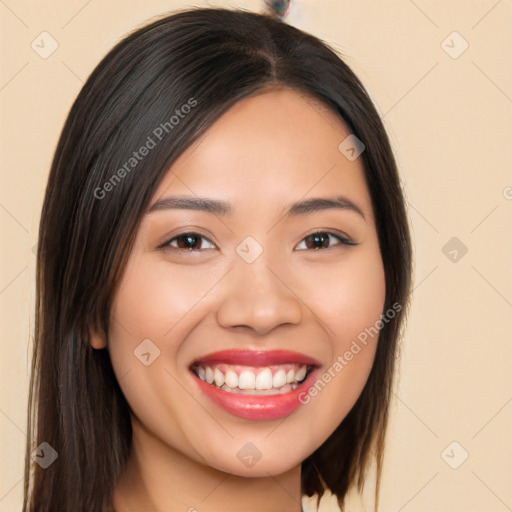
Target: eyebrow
x=224, y=208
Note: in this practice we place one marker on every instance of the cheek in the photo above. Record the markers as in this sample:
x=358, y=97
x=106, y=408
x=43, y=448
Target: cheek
x=350, y=305
x=153, y=298
x=348, y=297
x=150, y=304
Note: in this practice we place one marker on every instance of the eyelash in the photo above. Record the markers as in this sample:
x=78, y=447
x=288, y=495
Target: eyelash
x=167, y=245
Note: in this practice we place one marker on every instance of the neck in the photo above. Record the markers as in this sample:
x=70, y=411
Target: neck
x=158, y=478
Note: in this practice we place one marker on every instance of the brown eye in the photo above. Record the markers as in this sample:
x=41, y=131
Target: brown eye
x=322, y=239
x=188, y=241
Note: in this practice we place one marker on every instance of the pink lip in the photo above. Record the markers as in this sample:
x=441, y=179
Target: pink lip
x=257, y=358
x=256, y=407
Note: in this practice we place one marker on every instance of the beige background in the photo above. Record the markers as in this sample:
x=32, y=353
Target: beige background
x=450, y=122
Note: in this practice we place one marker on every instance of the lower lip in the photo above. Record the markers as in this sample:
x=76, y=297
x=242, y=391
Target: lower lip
x=256, y=407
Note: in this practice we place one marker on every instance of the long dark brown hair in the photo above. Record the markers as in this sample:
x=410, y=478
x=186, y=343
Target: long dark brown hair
x=213, y=57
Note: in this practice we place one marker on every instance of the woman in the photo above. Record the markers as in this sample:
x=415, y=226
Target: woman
x=223, y=271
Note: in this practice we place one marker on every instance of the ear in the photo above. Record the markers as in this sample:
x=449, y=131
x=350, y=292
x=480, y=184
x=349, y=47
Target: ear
x=98, y=340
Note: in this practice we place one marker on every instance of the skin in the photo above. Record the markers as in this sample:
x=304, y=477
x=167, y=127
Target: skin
x=267, y=151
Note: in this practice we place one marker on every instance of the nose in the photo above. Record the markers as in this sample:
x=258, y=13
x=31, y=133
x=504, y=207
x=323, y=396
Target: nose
x=258, y=298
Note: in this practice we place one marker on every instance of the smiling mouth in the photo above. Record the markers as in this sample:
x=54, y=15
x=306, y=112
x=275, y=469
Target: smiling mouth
x=253, y=380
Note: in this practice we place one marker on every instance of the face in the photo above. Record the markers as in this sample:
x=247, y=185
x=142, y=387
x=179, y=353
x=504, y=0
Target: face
x=233, y=329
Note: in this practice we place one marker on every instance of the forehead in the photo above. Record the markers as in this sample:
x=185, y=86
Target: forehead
x=276, y=146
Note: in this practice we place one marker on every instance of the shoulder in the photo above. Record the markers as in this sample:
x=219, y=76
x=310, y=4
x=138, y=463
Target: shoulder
x=327, y=503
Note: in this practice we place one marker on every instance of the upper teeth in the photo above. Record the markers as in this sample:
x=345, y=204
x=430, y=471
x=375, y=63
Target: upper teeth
x=251, y=378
